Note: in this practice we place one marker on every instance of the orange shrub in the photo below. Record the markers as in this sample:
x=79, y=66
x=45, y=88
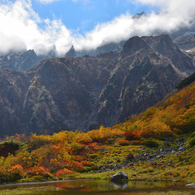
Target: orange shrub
x=86, y=163
x=11, y=173
x=76, y=166
x=136, y=142
x=69, y=149
x=39, y=171
x=123, y=142
x=78, y=158
x=17, y=169
x=63, y=173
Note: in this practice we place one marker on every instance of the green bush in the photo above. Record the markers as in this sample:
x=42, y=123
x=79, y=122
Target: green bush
x=151, y=143
x=93, y=156
x=192, y=135
x=192, y=142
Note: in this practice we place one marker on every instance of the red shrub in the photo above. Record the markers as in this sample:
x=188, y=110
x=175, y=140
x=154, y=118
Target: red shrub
x=86, y=142
x=91, y=151
x=131, y=135
x=189, y=94
x=147, y=134
x=86, y=163
x=77, y=166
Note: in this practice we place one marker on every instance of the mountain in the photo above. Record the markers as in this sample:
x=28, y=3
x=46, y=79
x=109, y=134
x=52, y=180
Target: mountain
x=186, y=41
x=149, y=68
x=184, y=38
x=104, y=48
x=160, y=141
x=21, y=61
x=83, y=93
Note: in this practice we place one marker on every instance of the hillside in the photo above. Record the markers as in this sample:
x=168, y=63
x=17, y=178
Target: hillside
x=84, y=93
x=158, y=144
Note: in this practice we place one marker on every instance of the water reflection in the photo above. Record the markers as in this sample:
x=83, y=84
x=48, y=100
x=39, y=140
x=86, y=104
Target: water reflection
x=120, y=185
x=104, y=187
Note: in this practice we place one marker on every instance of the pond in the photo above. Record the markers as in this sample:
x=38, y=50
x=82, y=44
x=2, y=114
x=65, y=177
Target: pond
x=103, y=187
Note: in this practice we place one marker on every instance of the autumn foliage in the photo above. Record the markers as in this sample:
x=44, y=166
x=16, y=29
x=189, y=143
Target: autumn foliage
x=63, y=173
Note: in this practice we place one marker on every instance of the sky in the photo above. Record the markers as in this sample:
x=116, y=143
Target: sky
x=44, y=25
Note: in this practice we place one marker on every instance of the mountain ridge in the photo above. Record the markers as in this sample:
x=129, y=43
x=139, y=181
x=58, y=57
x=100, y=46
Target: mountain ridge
x=84, y=93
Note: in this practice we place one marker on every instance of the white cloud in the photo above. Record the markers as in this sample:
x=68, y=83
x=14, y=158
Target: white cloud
x=20, y=27
x=184, y=7
x=174, y=14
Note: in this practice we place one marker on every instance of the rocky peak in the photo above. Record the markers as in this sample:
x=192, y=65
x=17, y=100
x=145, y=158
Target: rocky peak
x=139, y=15
x=71, y=52
x=134, y=44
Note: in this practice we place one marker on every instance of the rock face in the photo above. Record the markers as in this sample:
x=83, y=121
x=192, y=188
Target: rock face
x=84, y=93
x=187, y=41
x=21, y=61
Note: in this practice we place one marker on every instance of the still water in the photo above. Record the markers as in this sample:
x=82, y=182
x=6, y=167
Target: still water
x=94, y=187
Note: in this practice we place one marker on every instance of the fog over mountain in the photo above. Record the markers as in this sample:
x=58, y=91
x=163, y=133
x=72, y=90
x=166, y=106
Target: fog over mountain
x=23, y=29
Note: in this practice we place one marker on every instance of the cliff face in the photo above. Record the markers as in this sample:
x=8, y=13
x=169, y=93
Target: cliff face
x=147, y=69
x=84, y=93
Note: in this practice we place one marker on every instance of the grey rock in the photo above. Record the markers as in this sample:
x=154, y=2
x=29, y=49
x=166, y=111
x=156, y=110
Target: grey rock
x=100, y=166
x=186, y=160
x=190, y=185
x=182, y=140
x=166, y=143
x=119, y=176
x=130, y=157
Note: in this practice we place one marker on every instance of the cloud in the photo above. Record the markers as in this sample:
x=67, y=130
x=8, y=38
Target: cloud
x=176, y=7
x=124, y=27
x=174, y=15
x=20, y=27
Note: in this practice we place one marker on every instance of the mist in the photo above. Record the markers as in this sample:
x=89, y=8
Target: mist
x=20, y=27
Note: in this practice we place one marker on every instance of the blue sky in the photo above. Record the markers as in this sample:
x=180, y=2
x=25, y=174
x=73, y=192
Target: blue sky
x=45, y=25
x=83, y=16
